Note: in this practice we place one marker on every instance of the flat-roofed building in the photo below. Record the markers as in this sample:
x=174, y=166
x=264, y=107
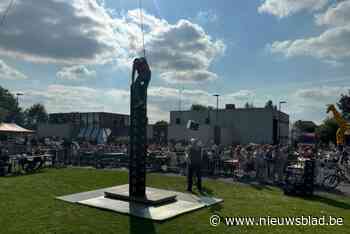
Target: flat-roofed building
x=237, y=125
x=88, y=125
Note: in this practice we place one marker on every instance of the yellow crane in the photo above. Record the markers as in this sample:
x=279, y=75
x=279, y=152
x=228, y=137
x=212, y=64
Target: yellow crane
x=344, y=126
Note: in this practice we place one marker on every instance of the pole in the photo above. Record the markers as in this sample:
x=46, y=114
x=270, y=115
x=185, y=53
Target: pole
x=279, y=123
x=279, y=120
x=17, y=97
x=217, y=107
x=17, y=102
x=142, y=29
x=216, y=128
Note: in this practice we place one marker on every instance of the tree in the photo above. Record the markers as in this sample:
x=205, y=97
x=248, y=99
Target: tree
x=269, y=104
x=327, y=131
x=3, y=114
x=344, y=105
x=199, y=107
x=248, y=105
x=9, y=109
x=161, y=123
x=36, y=114
x=305, y=126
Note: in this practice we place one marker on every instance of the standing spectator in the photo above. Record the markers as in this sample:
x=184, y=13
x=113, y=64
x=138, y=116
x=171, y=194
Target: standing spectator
x=269, y=161
x=194, y=161
x=67, y=145
x=4, y=162
x=280, y=163
x=260, y=163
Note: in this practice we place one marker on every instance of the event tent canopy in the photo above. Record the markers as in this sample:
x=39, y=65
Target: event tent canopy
x=13, y=128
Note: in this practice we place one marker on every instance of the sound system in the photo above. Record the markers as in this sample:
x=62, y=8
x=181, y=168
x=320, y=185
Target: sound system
x=192, y=125
x=300, y=182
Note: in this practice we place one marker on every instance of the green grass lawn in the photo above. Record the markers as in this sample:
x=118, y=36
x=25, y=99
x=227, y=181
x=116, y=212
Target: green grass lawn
x=28, y=205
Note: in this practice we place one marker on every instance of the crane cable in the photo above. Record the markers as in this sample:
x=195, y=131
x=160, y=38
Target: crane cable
x=6, y=12
x=142, y=28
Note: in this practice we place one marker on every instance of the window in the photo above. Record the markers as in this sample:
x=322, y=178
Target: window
x=178, y=121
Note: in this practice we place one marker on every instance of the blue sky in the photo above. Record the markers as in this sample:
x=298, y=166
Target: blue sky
x=76, y=55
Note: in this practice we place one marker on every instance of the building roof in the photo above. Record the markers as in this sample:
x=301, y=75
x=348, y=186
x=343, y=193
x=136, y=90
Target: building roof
x=13, y=128
x=97, y=112
x=220, y=111
x=308, y=122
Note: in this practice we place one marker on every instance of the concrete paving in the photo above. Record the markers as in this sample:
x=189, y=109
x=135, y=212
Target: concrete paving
x=184, y=203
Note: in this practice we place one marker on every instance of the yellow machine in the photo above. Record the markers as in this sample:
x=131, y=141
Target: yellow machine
x=344, y=126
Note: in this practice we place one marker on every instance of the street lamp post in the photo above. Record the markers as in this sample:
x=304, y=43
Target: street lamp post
x=16, y=116
x=216, y=128
x=217, y=107
x=17, y=96
x=279, y=120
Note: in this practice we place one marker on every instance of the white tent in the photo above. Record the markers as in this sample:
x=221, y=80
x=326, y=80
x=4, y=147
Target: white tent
x=13, y=128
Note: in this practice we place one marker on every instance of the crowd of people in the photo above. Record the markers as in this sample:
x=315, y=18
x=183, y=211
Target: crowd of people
x=263, y=162
x=267, y=163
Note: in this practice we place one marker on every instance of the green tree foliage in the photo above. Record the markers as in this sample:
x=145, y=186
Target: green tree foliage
x=269, y=104
x=248, y=105
x=344, y=105
x=327, y=131
x=36, y=114
x=9, y=109
x=161, y=123
x=198, y=107
x=305, y=126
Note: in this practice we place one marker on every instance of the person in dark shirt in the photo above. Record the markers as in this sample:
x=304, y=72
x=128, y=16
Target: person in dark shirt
x=4, y=162
x=67, y=145
x=344, y=158
x=194, y=161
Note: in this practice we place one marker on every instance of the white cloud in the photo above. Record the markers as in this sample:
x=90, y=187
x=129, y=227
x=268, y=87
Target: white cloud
x=242, y=95
x=335, y=16
x=284, y=8
x=161, y=100
x=65, y=31
x=322, y=94
x=330, y=46
x=181, y=52
x=75, y=73
x=204, y=17
x=333, y=63
x=84, y=32
x=61, y=98
x=188, y=76
x=311, y=103
x=10, y=73
x=333, y=44
x=64, y=98
x=167, y=99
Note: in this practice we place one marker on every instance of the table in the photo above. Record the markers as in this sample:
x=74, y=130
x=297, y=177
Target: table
x=233, y=164
x=17, y=162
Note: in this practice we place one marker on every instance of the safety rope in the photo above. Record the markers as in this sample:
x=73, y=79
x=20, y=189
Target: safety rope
x=142, y=28
x=6, y=13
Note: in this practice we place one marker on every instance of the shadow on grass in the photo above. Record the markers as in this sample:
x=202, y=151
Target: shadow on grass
x=329, y=201
x=207, y=192
x=258, y=185
x=215, y=208
x=22, y=173
x=333, y=191
x=139, y=225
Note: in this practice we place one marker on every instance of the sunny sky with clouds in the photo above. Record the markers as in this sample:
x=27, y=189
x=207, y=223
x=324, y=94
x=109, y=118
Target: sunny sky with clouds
x=76, y=55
